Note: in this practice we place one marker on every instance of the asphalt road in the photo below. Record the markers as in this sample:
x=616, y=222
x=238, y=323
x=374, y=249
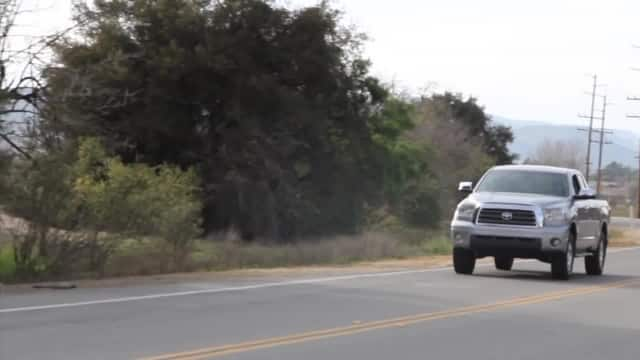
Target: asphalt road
x=429, y=314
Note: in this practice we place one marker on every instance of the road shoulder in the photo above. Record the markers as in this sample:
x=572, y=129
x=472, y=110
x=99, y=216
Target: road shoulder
x=413, y=263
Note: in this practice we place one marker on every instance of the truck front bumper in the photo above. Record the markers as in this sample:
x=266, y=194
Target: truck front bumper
x=511, y=241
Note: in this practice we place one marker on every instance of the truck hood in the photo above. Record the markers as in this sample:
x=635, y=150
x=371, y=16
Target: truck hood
x=517, y=199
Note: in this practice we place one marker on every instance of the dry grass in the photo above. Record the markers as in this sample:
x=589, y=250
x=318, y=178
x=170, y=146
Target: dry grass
x=228, y=253
x=340, y=250
x=620, y=211
x=620, y=237
x=399, y=247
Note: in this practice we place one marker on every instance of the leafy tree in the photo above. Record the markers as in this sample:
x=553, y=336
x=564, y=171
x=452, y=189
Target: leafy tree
x=451, y=152
x=400, y=159
x=411, y=186
x=472, y=117
x=275, y=107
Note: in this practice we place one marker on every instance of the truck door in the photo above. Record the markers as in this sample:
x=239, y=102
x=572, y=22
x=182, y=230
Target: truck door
x=593, y=212
x=583, y=208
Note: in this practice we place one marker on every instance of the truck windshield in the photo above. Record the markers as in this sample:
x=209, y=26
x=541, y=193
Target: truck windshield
x=527, y=182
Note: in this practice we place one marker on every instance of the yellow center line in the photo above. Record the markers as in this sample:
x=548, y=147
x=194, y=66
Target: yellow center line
x=221, y=350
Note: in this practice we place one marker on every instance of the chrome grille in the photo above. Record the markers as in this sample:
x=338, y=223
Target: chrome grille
x=507, y=217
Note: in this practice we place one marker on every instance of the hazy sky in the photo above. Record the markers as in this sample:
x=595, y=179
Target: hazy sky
x=525, y=60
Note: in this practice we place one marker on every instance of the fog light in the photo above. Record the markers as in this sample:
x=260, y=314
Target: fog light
x=555, y=242
x=458, y=238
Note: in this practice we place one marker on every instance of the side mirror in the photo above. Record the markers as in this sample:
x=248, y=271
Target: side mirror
x=465, y=187
x=585, y=194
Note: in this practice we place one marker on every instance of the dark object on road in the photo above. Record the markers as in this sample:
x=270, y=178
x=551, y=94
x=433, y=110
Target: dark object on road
x=56, y=286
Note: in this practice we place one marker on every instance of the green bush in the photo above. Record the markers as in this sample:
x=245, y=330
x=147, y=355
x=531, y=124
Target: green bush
x=7, y=264
x=79, y=205
x=420, y=205
x=137, y=200
x=438, y=245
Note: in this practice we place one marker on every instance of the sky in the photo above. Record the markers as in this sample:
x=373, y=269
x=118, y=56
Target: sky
x=525, y=60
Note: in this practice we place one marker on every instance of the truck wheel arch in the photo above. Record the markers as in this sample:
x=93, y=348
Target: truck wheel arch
x=573, y=230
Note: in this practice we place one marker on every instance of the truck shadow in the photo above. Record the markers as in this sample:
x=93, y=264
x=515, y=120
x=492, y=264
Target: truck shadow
x=545, y=276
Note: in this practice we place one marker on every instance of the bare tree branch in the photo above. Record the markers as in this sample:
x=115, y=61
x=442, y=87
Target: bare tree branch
x=15, y=146
x=21, y=92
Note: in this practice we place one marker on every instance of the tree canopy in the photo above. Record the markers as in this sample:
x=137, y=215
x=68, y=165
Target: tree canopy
x=467, y=112
x=276, y=107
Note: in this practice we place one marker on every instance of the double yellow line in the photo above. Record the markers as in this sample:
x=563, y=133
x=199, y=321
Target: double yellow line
x=222, y=350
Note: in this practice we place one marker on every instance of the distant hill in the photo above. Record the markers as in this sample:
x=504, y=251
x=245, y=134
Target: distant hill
x=529, y=134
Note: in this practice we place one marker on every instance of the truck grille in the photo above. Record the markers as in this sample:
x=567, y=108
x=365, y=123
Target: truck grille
x=507, y=217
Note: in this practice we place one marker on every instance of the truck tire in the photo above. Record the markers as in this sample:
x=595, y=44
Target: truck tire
x=562, y=265
x=464, y=261
x=503, y=263
x=594, y=264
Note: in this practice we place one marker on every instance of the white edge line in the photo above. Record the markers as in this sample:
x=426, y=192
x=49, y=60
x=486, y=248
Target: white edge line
x=246, y=287
x=217, y=290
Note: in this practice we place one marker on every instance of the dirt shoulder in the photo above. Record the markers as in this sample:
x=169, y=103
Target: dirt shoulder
x=621, y=237
x=423, y=262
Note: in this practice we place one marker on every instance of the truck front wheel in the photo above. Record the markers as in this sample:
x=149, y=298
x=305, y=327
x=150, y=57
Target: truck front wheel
x=464, y=261
x=562, y=264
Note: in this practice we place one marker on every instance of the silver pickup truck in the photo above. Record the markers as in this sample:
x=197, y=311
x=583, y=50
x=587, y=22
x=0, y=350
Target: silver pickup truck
x=525, y=211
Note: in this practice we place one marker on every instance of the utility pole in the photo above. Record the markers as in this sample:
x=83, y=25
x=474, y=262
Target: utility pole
x=593, y=102
x=590, y=129
x=638, y=204
x=635, y=116
x=602, y=142
x=602, y=131
x=637, y=157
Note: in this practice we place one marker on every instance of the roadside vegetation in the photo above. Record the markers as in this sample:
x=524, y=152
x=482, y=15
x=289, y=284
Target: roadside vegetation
x=149, y=256
x=229, y=253
x=180, y=135
x=623, y=237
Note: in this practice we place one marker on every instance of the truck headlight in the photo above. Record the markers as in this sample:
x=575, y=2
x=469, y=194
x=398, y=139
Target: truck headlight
x=465, y=212
x=555, y=216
